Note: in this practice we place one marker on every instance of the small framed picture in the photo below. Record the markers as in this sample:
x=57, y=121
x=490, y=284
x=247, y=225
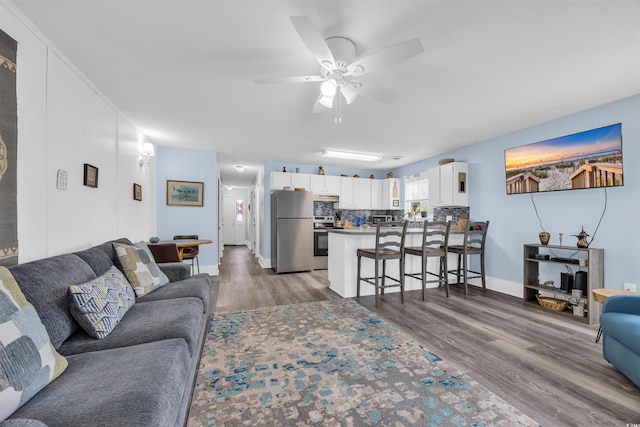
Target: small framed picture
x=90, y=175
x=396, y=203
x=137, y=192
x=185, y=193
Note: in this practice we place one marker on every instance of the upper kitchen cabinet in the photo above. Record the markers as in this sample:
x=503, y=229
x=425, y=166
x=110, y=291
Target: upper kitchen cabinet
x=448, y=185
x=279, y=180
x=355, y=193
x=391, y=193
x=325, y=185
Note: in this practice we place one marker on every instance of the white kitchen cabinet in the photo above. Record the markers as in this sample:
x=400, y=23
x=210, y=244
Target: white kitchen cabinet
x=362, y=193
x=391, y=193
x=448, y=185
x=355, y=193
x=346, y=193
x=377, y=198
x=300, y=180
x=332, y=185
x=325, y=185
x=279, y=180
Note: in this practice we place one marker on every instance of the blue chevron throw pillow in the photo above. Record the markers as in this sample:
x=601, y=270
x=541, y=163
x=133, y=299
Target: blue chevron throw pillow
x=99, y=305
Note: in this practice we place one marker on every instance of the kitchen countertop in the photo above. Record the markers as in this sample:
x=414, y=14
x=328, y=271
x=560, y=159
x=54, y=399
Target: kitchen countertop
x=372, y=230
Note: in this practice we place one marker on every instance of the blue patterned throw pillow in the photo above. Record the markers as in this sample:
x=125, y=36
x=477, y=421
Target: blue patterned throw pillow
x=99, y=305
x=28, y=361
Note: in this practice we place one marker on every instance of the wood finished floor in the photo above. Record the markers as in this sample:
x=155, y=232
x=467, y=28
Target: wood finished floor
x=546, y=365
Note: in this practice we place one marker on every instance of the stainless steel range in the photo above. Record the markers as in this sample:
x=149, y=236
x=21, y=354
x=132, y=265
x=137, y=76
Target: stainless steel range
x=321, y=241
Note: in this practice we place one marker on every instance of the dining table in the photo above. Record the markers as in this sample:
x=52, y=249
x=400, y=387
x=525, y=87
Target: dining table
x=183, y=243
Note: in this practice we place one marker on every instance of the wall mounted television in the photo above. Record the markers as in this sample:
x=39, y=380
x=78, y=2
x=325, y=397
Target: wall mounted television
x=589, y=159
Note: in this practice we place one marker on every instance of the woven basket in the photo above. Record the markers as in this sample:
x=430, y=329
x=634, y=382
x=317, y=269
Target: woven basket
x=552, y=303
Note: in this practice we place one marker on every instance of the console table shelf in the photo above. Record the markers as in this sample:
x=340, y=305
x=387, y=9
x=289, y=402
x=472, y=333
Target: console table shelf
x=594, y=266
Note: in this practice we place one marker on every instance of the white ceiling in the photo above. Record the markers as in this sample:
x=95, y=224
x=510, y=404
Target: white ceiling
x=183, y=71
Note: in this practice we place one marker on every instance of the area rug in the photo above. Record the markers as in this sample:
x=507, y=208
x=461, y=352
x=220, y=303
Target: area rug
x=332, y=363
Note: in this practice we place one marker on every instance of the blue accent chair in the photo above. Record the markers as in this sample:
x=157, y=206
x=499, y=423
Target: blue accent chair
x=620, y=322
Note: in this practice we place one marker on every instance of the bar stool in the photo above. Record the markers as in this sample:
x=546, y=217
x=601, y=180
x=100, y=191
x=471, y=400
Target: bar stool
x=390, y=238
x=435, y=244
x=475, y=236
x=190, y=252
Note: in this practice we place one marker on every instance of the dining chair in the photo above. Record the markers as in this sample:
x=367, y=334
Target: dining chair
x=390, y=237
x=190, y=252
x=475, y=237
x=435, y=244
x=164, y=252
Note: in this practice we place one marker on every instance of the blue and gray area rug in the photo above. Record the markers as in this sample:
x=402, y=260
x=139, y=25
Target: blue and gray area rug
x=332, y=363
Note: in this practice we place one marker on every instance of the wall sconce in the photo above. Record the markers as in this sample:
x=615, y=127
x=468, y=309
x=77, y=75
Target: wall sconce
x=147, y=151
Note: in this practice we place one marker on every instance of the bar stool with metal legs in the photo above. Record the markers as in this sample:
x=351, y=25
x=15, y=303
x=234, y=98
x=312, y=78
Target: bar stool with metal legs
x=475, y=237
x=435, y=244
x=389, y=245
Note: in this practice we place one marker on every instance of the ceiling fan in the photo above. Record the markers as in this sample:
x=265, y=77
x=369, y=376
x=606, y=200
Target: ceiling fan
x=339, y=68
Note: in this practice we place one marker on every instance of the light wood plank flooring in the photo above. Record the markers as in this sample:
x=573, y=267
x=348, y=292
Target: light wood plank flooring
x=548, y=366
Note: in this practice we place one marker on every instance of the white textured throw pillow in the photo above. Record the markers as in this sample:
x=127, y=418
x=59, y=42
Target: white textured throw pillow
x=28, y=360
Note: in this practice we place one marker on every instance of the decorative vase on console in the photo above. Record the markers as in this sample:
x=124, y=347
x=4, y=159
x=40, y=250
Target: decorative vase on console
x=544, y=237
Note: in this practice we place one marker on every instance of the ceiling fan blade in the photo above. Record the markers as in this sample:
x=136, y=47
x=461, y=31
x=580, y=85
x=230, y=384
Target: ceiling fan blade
x=387, y=56
x=292, y=79
x=349, y=93
x=313, y=40
x=377, y=93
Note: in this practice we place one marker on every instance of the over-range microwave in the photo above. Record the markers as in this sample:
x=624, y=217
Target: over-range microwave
x=375, y=219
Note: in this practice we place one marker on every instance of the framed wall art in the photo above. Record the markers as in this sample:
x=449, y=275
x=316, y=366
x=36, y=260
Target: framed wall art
x=185, y=193
x=90, y=175
x=137, y=192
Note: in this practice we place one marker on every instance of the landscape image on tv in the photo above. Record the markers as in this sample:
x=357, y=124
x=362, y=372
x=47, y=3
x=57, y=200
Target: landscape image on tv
x=589, y=159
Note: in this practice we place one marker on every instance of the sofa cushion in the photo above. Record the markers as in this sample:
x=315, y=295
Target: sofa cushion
x=175, y=271
x=102, y=257
x=141, y=385
x=99, y=305
x=28, y=361
x=623, y=327
x=198, y=286
x=146, y=322
x=140, y=268
x=45, y=283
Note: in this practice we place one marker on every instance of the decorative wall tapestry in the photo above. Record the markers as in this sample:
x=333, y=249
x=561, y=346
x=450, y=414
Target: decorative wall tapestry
x=8, y=152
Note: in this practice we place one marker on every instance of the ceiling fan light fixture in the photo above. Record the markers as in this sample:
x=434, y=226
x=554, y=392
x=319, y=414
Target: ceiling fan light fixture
x=351, y=155
x=326, y=102
x=328, y=88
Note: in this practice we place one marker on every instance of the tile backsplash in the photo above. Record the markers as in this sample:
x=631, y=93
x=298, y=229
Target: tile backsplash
x=440, y=214
x=321, y=208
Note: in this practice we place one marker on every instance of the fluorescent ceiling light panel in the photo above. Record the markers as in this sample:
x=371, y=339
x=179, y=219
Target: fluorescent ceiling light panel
x=351, y=155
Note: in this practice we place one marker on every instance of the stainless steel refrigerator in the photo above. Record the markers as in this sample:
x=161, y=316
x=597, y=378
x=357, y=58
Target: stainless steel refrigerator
x=291, y=231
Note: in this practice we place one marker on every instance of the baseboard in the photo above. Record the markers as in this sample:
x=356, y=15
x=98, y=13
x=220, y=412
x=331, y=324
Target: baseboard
x=500, y=285
x=264, y=263
x=210, y=269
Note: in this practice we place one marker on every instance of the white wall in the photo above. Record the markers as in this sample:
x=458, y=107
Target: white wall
x=64, y=121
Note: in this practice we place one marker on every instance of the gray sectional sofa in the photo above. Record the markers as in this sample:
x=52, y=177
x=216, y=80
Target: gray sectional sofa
x=142, y=373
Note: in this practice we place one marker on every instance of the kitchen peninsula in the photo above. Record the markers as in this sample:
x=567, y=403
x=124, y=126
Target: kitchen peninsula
x=343, y=262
